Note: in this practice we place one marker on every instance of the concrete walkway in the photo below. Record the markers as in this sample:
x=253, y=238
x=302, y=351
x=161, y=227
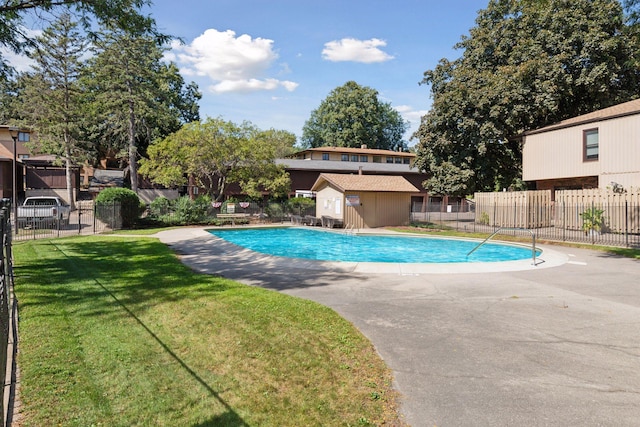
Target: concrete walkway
x=557, y=344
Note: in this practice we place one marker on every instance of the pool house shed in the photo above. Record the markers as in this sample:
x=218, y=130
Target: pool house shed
x=364, y=201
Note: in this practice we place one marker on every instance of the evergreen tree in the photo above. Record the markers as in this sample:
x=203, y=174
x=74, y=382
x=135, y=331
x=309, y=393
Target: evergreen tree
x=135, y=96
x=123, y=14
x=51, y=99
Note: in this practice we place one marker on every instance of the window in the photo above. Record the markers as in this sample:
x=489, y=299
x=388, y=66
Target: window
x=389, y=159
x=406, y=160
x=23, y=137
x=325, y=156
x=590, y=141
x=398, y=160
x=364, y=158
x=377, y=159
x=345, y=158
x=354, y=157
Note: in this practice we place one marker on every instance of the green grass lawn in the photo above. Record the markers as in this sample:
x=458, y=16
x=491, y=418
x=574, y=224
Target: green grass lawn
x=115, y=331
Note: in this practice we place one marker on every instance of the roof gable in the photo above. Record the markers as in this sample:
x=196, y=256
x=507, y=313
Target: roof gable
x=373, y=183
x=613, y=112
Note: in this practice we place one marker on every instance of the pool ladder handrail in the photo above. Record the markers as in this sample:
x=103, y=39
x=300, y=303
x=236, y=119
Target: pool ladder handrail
x=533, y=240
x=349, y=229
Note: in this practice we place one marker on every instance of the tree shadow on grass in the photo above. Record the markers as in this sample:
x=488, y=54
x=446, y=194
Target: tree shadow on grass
x=228, y=419
x=142, y=272
x=82, y=278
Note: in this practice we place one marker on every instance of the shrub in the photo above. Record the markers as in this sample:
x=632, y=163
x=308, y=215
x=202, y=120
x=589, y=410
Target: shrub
x=118, y=207
x=484, y=218
x=274, y=211
x=300, y=205
x=160, y=206
x=189, y=211
x=592, y=220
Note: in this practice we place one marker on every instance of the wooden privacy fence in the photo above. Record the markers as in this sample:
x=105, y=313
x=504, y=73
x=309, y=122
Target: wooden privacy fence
x=620, y=211
x=517, y=209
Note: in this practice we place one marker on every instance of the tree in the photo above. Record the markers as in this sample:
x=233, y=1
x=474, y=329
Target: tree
x=135, y=96
x=283, y=142
x=216, y=153
x=352, y=116
x=122, y=14
x=526, y=64
x=51, y=100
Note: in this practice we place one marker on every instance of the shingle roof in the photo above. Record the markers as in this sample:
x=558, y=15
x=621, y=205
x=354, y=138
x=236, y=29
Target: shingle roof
x=378, y=183
x=107, y=178
x=333, y=165
x=358, y=150
x=620, y=110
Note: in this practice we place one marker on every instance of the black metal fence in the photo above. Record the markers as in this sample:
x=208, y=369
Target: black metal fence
x=91, y=218
x=6, y=307
x=88, y=218
x=185, y=212
x=593, y=223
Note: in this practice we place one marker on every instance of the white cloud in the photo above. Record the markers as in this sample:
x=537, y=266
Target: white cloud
x=414, y=118
x=366, y=51
x=20, y=62
x=234, y=64
x=252, y=85
x=408, y=113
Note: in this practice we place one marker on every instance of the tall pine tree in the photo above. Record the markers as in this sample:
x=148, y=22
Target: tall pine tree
x=51, y=102
x=136, y=97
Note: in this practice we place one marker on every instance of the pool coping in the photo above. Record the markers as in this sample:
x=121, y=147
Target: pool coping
x=222, y=251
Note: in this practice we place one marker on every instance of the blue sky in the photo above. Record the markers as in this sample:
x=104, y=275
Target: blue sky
x=273, y=62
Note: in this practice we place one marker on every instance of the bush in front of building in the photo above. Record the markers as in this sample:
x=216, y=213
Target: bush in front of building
x=118, y=207
x=189, y=211
x=301, y=206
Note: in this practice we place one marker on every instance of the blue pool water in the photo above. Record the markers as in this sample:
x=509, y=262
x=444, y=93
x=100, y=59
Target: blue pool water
x=315, y=244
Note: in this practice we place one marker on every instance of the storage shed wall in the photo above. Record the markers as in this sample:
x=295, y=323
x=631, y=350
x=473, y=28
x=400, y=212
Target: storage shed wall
x=377, y=209
x=329, y=202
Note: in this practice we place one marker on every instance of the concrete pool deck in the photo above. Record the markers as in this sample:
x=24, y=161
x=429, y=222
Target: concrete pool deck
x=555, y=344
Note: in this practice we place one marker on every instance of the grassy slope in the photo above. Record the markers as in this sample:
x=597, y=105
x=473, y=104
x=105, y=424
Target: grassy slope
x=116, y=331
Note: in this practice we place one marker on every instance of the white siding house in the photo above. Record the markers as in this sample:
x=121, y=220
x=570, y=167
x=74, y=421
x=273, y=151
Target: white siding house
x=589, y=151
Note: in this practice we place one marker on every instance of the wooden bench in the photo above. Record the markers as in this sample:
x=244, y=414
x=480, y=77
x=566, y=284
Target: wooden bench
x=233, y=216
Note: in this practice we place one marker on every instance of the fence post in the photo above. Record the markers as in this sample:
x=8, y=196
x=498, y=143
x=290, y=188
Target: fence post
x=626, y=223
x=495, y=208
x=564, y=221
x=593, y=235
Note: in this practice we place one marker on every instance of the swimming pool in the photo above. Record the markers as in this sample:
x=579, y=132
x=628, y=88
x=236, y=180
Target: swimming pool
x=309, y=243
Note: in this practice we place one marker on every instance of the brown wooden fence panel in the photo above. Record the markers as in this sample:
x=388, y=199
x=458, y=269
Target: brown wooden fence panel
x=515, y=209
x=621, y=210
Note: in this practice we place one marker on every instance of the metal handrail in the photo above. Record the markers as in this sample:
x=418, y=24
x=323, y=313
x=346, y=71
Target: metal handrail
x=533, y=240
x=349, y=228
